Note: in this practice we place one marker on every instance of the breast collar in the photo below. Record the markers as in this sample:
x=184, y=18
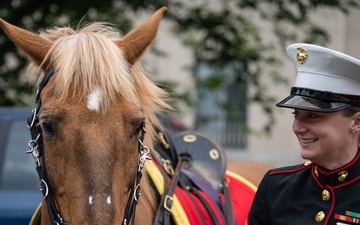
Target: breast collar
x=337, y=178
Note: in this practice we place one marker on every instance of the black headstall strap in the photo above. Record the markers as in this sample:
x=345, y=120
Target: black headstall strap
x=36, y=148
x=130, y=209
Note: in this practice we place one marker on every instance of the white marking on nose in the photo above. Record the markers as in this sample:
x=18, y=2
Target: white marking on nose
x=108, y=200
x=90, y=200
x=94, y=100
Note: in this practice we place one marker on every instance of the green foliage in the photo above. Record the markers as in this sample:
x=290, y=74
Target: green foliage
x=218, y=32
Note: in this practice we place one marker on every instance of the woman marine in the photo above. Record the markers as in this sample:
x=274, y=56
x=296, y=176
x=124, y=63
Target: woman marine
x=326, y=106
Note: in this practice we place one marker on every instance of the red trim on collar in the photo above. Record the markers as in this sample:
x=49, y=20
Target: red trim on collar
x=314, y=176
x=344, y=184
x=352, y=162
x=289, y=171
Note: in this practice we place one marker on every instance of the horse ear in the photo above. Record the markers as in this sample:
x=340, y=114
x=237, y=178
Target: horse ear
x=33, y=45
x=136, y=41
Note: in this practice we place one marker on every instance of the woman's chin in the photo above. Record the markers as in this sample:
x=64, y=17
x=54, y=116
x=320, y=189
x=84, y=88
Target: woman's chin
x=307, y=154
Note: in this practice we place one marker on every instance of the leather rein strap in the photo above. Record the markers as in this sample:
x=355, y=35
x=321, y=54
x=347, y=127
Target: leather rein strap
x=36, y=148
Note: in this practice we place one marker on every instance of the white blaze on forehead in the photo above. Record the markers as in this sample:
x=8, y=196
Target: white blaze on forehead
x=94, y=100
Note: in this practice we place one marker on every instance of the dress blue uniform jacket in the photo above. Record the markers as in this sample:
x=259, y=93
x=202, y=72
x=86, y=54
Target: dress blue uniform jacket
x=308, y=194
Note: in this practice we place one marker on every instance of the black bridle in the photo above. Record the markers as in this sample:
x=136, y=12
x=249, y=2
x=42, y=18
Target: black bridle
x=36, y=148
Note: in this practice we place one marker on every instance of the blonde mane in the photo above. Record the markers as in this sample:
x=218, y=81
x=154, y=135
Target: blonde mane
x=88, y=59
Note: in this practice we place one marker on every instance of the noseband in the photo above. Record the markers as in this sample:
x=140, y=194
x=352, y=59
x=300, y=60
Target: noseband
x=36, y=148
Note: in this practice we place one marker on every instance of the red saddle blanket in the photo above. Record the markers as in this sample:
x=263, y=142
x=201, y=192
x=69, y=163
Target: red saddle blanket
x=187, y=211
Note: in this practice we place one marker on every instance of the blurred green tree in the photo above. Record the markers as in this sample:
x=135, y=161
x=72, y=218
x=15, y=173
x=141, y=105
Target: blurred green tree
x=217, y=32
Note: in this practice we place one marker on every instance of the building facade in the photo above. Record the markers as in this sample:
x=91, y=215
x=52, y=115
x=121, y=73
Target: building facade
x=281, y=147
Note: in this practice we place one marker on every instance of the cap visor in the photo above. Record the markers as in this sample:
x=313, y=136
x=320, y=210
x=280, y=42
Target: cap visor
x=311, y=104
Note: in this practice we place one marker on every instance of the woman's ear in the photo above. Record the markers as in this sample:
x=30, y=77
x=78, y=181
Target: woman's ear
x=356, y=122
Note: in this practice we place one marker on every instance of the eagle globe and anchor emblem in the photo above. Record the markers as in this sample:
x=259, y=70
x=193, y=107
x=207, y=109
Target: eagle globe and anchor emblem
x=302, y=55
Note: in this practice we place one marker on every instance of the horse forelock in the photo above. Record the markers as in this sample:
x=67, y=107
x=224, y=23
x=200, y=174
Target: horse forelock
x=86, y=60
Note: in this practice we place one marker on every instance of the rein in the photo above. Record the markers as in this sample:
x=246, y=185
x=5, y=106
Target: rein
x=36, y=148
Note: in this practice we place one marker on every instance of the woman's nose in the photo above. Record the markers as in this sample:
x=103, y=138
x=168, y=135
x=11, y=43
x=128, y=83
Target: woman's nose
x=298, y=126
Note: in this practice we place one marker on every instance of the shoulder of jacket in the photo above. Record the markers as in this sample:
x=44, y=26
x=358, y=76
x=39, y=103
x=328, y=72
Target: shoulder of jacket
x=291, y=169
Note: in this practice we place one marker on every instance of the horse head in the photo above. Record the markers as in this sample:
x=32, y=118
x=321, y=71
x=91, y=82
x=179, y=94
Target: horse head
x=93, y=106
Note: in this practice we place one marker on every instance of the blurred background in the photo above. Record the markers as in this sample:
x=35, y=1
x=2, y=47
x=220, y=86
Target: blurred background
x=223, y=61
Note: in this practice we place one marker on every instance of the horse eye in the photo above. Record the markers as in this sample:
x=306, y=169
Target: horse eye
x=139, y=128
x=48, y=128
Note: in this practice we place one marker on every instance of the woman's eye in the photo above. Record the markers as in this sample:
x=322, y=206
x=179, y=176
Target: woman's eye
x=306, y=115
x=295, y=113
x=312, y=116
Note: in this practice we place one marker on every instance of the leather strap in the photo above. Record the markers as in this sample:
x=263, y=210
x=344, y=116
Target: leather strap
x=228, y=209
x=214, y=219
x=163, y=215
x=37, y=150
x=200, y=184
x=167, y=204
x=184, y=185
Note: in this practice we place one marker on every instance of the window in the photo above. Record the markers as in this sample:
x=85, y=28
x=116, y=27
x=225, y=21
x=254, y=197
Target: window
x=221, y=104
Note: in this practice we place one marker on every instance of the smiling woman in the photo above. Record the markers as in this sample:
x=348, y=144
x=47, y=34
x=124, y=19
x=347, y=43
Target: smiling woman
x=326, y=101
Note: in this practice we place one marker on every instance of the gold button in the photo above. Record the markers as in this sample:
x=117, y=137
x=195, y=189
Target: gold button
x=307, y=163
x=320, y=216
x=342, y=175
x=325, y=195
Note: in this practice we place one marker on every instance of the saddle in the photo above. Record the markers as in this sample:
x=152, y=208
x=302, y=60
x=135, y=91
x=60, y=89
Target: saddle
x=202, y=156
x=194, y=185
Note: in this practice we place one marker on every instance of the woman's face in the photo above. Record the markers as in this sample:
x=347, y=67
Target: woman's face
x=325, y=138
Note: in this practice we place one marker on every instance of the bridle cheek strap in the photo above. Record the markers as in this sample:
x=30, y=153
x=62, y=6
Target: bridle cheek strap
x=36, y=148
x=130, y=209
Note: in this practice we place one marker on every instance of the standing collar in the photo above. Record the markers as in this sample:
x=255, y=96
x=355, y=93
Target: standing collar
x=340, y=177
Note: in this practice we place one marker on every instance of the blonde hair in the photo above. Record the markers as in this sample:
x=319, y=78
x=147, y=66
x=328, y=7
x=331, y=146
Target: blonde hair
x=88, y=58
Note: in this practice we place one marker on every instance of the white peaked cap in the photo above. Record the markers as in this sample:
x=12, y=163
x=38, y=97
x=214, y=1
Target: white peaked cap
x=326, y=80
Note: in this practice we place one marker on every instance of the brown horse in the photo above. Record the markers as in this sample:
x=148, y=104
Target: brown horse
x=93, y=104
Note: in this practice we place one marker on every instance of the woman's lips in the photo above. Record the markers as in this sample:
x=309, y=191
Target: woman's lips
x=308, y=140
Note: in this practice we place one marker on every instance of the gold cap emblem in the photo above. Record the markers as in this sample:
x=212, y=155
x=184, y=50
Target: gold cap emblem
x=302, y=55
